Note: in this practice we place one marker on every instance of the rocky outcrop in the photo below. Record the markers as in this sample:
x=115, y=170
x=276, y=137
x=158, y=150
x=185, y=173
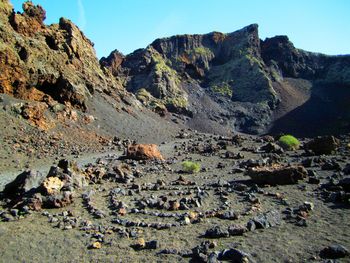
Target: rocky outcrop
x=236, y=81
x=54, y=190
x=202, y=76
x=57, y=59
x=314, y=87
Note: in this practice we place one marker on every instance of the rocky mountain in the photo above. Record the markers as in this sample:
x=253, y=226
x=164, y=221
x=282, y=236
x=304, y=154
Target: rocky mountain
x=238, y=82
x=215, y=82
x=57, y=60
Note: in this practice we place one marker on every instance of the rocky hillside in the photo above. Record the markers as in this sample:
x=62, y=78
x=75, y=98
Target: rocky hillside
x=236, y=81
x=217, y=83
x=57, y=60
x=56, y=99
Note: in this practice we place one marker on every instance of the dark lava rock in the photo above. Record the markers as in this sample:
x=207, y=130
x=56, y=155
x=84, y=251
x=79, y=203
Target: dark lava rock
x=200, y=252
x=345, y=183
x=266, y=220
x=237, y=230
x=229, y=215
x=323, y=145
x=216, y=232
x=272, y=148
x=235, y=256
x=277, y=174
x=25, y=183
x=346, y=170
x=331, y=165
x=334, y=251
x=153, y=244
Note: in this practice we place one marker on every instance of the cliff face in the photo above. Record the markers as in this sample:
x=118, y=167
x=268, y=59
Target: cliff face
x=234, y=80
x=56, y=60
x=214, y=60
x=214, y=82
x=200, y=74
x=326, y=110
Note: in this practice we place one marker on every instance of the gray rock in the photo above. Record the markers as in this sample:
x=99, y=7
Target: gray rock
x=229, y=215
x=216, y=232
x=25, y=183
x=237, y=230
x=235, y=256
x=269, y=219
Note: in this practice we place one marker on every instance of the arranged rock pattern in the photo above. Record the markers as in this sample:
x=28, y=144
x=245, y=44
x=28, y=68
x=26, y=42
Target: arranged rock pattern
x=143, y=206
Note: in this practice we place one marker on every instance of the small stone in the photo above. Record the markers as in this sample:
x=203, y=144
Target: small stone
x=334, y=251
x=187, y=220
x=235, y=255
x=228, y=215
x=153, y=244
x=140, y=244
x=216, y=232
x=96, y=245
x=237, y=230
x=14, y=212
x=309, y=206
x=251, y=225
x=122, y=211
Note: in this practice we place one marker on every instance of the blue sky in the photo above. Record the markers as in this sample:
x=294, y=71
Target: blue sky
x=314, y=25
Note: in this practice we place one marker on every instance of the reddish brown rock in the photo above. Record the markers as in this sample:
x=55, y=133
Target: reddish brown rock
x=143, y=152
x=277, y=174
x=58, y=60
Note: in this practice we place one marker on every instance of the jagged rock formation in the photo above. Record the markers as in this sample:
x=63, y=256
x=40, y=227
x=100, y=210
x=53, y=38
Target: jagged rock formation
x=199, y=75
x=57, y=60
x=215, y=82
x=229, y=81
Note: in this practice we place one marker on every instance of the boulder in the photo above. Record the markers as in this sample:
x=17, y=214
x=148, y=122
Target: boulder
x=24, y=184
x=277, y=174
x=143, y=152
x=323, y=145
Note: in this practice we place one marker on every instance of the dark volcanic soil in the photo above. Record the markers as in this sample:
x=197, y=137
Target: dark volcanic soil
x=153, y=188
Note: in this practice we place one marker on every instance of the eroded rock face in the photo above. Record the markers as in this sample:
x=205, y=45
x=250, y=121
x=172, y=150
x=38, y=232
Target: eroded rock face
x=166, y=73
x=234, y=80
x=143, y=152
x=57, y=59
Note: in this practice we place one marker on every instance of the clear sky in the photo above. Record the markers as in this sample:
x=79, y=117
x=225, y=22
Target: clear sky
x=314, y=25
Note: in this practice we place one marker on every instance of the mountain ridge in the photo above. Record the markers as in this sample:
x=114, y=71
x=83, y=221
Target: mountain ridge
x=215, y=82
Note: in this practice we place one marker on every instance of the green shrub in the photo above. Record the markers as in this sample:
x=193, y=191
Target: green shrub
x=223, y=89
x=191, y=167
x=289, y=142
